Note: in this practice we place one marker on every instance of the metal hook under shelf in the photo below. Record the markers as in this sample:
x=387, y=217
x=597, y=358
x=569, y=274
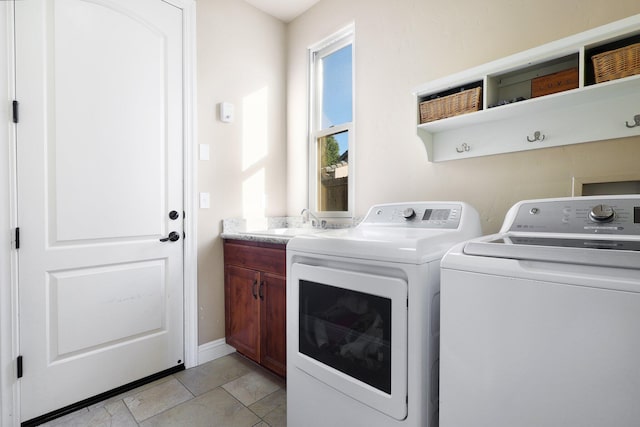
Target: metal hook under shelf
x=464, y=147
x=537, y=136
x=636, y=120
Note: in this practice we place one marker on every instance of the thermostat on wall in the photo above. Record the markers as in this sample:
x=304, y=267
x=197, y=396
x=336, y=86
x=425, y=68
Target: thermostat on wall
x=226, y=112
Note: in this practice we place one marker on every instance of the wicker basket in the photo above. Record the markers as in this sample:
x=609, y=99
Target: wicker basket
x=463, y=102
x=616, y=64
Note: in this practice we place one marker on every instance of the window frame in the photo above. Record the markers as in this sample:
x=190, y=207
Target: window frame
x=316, y=53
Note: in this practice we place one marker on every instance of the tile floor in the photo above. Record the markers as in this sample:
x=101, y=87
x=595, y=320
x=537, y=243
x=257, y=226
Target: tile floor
x=228, y=392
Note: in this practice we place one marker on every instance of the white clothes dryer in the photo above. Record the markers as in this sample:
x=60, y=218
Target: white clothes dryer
x=540, y=323
x=363, y=316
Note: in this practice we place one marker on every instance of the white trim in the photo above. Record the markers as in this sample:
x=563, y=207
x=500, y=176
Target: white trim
x=336, y=37
x=214, y=350
x=344, y=37
x=345, y=127
x=9, y=343
x=190, y=186
x=9, y=386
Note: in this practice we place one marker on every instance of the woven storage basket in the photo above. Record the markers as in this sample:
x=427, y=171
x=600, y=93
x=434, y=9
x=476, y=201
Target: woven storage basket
x=616, y=64
x=463, y=102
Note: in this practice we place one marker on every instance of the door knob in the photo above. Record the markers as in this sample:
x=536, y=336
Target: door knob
x=173, y=236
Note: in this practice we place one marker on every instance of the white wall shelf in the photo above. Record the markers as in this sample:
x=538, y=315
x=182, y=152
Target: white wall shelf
x=592, y=112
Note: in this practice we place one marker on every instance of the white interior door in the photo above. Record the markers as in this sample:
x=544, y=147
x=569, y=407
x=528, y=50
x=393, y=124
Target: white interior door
x=99, y=167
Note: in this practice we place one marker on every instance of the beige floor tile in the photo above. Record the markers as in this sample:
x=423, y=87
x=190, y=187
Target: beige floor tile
x=215, y=408
x=115, y=414
x=269, y=403
x=66, y=418
x=277, y=417
x=262, y=424
x=152, y=401
x=252, y=387
x=208, y=376
x=120, y=415
x=132, y=392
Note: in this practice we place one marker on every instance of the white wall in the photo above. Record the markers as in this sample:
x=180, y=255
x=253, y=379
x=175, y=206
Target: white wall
x=241, y=59
x=403, y=43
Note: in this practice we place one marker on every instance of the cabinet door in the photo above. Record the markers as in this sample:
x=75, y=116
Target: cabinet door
x=242, y=310
x=274, y=332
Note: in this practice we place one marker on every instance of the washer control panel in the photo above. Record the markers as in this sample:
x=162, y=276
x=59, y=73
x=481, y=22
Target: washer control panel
x=578, y=215
x=416, y=215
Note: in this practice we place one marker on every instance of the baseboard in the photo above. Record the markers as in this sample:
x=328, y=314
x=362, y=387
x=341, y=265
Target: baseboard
x=213, y=350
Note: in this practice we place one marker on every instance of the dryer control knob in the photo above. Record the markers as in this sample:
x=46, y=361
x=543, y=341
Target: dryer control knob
x=602, y=213
x=408, y=213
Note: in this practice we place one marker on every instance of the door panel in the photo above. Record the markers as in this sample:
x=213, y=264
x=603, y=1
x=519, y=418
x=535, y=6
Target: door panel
x=93, y=100
x=242, y=315
x=99, y=168
x=135, y=291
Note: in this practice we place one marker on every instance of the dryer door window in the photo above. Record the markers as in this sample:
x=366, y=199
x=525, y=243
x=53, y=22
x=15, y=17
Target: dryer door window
x=347, y=330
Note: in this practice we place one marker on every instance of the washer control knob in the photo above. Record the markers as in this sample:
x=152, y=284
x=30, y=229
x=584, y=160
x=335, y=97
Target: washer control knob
x=602, y=213
x=408, y=213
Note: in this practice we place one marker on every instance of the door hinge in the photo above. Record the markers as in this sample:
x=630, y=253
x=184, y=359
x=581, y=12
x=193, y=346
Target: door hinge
x=17, y=237
x=15, y=112
x=19, y=366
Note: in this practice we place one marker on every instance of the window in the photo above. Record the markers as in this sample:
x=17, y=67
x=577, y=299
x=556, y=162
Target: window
x=331, y=139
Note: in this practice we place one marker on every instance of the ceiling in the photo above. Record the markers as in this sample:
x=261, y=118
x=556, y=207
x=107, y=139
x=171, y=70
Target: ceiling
x=284, y=10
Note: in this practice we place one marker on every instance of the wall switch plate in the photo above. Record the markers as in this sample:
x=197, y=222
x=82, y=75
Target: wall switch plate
x=226, y=112
x=204, y=151
x=204, y=200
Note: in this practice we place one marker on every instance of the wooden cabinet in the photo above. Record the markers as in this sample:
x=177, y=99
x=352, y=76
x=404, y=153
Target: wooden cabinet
x=513, y=117
x=255, y=301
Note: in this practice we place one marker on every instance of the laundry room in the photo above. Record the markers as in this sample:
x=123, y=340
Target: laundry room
x=398, y=47
x=261, y=157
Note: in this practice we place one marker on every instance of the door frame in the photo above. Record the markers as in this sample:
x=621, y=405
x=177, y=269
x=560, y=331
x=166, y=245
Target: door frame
x=9, y=331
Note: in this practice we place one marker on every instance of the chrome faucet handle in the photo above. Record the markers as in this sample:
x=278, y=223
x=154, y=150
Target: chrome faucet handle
x=315, y=221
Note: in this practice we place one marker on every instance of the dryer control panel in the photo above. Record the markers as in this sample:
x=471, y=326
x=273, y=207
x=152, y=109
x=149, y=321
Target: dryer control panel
x=416, y=215
x=584, y=215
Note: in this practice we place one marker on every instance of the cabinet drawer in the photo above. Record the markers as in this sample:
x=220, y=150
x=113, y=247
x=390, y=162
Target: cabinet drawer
x=269, y=260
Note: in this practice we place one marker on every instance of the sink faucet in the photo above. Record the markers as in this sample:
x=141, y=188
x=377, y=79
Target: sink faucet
x=315, y=221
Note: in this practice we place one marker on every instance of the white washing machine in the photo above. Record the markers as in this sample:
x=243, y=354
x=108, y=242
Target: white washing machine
x=540, y=323
x=363, y=317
